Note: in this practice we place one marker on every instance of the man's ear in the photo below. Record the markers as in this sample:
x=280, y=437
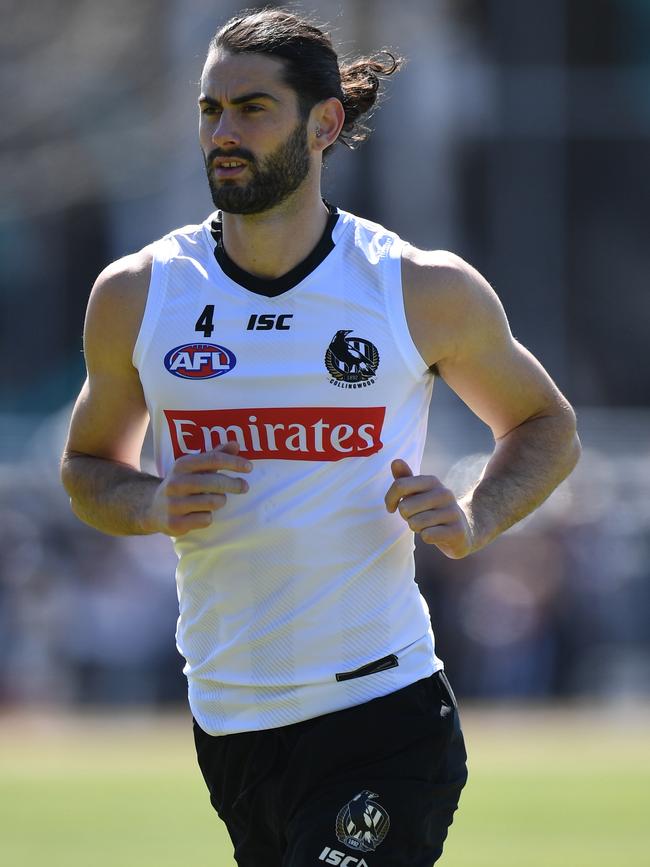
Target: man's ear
x=325, y=123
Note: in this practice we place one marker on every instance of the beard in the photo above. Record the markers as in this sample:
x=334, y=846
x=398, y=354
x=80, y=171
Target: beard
x=273, y=179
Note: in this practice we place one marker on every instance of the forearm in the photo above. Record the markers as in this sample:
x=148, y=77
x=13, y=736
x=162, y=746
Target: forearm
x=112, y=497
x=526, y=466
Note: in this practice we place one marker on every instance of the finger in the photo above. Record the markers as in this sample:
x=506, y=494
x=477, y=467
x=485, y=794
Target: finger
x=196, y=503
x=434, y=518
x=232, y=447
x=447, y=539
x=179, y=525
x=406, y=486
x=218, y=483
x=438, y=498
x=224, y=457
x=400, y=469
x=435, y=535
x=206, y=483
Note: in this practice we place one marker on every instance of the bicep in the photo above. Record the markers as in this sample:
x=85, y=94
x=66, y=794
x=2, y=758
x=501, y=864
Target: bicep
x=504, y=385
x=110, y=416
x=109, y=419
x=497, y=377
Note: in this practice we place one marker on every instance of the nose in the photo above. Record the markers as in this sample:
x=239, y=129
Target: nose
x=225, y=133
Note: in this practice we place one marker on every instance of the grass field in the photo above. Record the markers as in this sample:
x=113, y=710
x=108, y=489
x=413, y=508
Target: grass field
x=567, y=788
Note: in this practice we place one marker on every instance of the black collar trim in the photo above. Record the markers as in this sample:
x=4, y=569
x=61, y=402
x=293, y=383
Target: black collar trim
x=270, y=288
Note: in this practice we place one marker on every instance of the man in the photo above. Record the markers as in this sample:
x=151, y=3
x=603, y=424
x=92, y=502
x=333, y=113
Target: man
x=284, y=352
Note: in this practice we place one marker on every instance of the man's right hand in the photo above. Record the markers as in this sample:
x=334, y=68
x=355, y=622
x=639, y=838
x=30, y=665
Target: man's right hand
x=194, y=488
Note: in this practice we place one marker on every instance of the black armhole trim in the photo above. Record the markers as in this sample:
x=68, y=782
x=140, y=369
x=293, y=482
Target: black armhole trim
x=272, y=288
x=383, y=664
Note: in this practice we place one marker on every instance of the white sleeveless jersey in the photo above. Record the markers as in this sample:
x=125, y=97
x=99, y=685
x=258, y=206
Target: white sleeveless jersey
x=300, y=598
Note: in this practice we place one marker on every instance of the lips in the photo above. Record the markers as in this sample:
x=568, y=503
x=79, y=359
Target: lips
x=225, y=167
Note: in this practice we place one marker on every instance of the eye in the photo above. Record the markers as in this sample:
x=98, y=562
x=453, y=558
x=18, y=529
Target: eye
x=209, y=109
x=251, y=108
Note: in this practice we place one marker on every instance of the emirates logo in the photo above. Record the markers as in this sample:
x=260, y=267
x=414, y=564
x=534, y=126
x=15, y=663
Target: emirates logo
x=351, y=362
x=299, y=433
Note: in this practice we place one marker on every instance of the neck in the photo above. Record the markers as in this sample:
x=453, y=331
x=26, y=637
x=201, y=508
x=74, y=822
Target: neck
x=270, y=244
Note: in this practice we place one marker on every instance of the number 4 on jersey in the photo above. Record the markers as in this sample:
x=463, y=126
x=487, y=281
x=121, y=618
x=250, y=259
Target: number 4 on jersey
x=205, y=321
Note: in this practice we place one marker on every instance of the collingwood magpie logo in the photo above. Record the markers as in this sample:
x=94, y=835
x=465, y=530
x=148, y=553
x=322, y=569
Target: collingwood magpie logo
x=352, y=362
x=362, y=824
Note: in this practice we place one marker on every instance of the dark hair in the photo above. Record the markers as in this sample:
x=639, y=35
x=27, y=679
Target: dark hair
x=311, y=65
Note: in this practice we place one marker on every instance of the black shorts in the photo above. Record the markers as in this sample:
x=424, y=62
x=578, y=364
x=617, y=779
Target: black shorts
x=371, y=786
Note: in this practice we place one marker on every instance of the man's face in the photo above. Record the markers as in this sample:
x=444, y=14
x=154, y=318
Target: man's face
x=252, y=137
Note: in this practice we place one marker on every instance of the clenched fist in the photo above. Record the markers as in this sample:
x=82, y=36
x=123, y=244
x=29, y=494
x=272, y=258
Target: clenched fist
x=430, y=509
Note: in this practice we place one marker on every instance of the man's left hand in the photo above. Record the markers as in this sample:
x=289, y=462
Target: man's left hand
x=431, y=510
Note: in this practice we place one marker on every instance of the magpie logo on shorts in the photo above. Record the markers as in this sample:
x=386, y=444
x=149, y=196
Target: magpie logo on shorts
x=351, y=362
x=362, y=824
x=199, y=361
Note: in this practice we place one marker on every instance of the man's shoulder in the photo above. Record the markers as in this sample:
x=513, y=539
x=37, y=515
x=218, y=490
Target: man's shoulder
x=364, y=224
x=126, y=280
x=116, y=305
x=126, y=276
x=438, y=275
x=367, y=238
x=429, y=271
x=192, y=232
x=449, y=304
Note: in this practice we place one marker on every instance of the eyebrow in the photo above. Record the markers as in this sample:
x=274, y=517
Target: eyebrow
x=238, y=100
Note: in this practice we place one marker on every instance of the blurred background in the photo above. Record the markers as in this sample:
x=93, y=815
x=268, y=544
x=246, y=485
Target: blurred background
x=517, y=136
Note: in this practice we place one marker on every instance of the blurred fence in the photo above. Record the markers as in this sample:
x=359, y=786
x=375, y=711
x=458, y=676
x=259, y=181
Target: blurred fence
x=559, y=606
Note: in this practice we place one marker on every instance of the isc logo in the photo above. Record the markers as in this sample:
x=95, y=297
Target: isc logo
x=333, y=856
x=269, y=321
x=199, y=361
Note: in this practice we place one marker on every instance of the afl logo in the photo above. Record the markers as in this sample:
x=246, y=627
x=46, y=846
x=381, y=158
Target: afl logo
x=351, y=360
x=199, y=361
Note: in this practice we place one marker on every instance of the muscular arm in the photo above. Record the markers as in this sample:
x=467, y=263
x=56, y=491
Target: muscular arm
x=101, y=462
x=459, y=325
